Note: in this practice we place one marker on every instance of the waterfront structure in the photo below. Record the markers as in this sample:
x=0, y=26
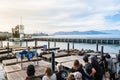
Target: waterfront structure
x=18, y=31
x=78, y=40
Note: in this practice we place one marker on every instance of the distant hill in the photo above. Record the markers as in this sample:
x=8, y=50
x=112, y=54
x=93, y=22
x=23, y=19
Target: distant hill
x=39, y=34
x=79, y=33
x=111, y=31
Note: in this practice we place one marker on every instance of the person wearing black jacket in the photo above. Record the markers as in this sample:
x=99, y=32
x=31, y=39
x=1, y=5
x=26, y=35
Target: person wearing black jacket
x=95, y=64
x=77, y=67
x=61, y=74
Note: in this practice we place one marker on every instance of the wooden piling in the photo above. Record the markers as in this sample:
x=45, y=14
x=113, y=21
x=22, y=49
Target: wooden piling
x=35, y=43
x=73, y=45
x=53, y=61
x=102, y=49
x=26, y=44
x=96, y=46
x=8, y=47
x=20, y=42
x=68, y=48
x=48, y=44
x=54, y=44
x=1, y=43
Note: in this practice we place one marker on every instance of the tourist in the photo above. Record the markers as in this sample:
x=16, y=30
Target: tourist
x=103, y=64
x=89, y=68
x=118, y=56
x=78, y=76
x=96, y=66
x=49, y=75
x=111, y=66
x=107, y=76
x=31, y=73
x=61, y=74
x=71, y=76
x=77, y=67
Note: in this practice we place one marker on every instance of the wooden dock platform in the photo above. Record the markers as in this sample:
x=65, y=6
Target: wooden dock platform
x=59, y=54
x=15, y=61
x=68, y=60
x=14, y=72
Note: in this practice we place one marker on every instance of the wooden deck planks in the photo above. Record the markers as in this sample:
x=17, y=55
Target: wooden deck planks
x=59, y=54
x=21, y=74
x=14, y=61
x=70, y=64
x=67, y=58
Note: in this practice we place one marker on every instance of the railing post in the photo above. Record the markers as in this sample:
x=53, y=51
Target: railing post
x=53, y=61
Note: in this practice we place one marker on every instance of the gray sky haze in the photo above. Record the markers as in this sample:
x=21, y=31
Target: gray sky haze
x=50, y=16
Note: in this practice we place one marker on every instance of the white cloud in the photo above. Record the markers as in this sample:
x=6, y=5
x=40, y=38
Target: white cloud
x=58, y=15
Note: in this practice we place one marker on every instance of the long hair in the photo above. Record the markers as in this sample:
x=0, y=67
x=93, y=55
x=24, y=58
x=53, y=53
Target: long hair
x=48, y=72
x=71, y=77
x=76, y=65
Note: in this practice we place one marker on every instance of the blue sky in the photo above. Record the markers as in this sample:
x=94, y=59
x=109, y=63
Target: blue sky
x=60, y=15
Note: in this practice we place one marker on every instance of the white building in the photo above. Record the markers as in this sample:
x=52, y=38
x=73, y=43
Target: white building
x=21, y=31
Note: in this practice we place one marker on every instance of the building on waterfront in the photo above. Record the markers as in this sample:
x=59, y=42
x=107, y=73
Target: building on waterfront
x=18, y=31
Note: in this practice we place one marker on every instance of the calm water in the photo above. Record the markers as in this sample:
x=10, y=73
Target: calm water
x=108, y=48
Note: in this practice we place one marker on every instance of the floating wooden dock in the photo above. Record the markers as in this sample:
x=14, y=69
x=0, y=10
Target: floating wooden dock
x=59, y=54
x=14, y=72
x=69, y=60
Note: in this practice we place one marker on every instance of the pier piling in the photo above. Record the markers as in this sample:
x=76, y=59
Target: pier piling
x=96, y=46
x=54, y=44
x=102, y=48
x=73, y=45
x=8, y=47
x=53, y=61
x=35, y=43
x=68, y=48
x=26, y=44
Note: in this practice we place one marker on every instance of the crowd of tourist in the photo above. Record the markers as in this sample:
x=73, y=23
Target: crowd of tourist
x=94, y=69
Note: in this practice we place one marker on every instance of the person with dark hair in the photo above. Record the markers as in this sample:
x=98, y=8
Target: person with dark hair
x=61, y=74
x=103, y=65
x=95, y=64
x=111, y=66
x=77, y=67
x=107, y=76
x=89, y=68
x=31, y=73
x=118, y=56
